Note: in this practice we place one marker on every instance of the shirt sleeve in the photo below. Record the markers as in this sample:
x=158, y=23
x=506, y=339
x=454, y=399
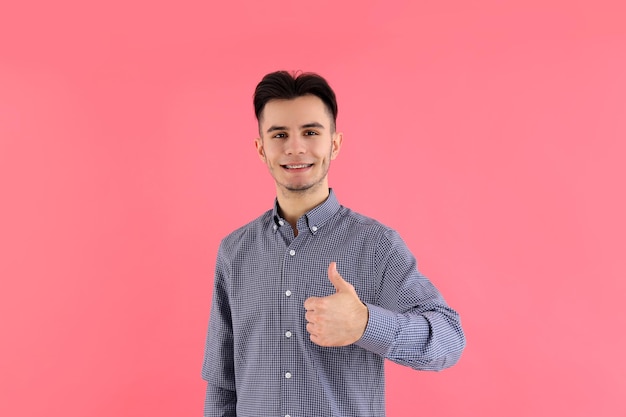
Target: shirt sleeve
x=410, y=323
x=218, y=365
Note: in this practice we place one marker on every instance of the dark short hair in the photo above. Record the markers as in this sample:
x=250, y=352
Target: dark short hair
x=282, y=85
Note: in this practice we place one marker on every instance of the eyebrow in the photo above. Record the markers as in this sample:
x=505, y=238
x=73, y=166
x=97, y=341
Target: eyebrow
x=304, y=126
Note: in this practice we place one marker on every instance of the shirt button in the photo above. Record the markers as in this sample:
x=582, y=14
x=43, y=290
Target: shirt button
x=314, y=228
x=287, y=334
x=287, y=415
x=288, y=375
x=292, y=252
x=281, y=222
x=275, y=227
x=288, y=293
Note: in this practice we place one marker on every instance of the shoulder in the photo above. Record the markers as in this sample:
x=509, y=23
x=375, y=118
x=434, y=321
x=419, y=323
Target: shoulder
x=353, y=219
x=247, y=233
x=373, y=229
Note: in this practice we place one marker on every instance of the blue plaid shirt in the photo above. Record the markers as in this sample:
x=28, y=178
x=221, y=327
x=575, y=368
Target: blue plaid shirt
x=259, y=360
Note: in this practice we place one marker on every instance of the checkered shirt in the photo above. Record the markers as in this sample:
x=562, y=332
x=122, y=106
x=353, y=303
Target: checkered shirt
x=259, y=360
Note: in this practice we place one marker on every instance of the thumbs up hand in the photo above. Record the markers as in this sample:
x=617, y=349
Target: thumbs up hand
x=338, y=319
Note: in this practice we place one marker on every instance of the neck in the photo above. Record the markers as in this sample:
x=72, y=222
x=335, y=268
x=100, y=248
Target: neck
x=294, y=204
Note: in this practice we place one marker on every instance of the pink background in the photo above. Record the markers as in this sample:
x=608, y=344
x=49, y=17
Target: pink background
x=491, y=134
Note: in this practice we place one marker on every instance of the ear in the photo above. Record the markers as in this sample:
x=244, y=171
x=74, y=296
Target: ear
x=336, y=145
x=258, y=143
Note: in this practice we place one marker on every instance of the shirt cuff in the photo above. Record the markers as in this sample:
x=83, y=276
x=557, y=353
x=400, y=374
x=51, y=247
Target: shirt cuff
x=380, y=331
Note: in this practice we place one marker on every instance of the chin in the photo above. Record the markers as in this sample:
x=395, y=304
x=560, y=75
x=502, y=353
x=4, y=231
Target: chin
x=300, y=189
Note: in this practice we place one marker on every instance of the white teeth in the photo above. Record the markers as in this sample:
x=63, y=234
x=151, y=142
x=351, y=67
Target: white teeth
x=297, y=166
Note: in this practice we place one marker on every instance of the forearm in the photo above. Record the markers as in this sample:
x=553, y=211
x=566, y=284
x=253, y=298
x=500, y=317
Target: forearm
x=219, y=402
x=431, y=340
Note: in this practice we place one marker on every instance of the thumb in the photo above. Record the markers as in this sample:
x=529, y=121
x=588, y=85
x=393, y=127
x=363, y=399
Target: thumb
x=336, y=279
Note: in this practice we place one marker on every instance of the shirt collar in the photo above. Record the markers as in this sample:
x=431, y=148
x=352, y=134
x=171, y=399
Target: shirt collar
x=314, y=218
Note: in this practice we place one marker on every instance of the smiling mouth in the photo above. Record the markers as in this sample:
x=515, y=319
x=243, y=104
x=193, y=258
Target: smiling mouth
x=297, y=166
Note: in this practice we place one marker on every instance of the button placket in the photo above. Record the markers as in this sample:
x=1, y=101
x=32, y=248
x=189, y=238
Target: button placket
x=289, y=319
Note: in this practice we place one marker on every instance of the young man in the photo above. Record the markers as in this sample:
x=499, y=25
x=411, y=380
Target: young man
x=311, y=297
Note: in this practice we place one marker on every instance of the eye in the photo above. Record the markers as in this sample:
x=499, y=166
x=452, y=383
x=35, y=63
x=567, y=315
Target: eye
x=310, y=133
x=280, y=136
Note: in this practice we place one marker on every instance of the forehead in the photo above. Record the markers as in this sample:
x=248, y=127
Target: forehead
x=297, y=111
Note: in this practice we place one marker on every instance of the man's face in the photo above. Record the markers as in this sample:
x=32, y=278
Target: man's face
x=297, y=144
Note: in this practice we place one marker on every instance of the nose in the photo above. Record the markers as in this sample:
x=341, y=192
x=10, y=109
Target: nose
x=295, y=145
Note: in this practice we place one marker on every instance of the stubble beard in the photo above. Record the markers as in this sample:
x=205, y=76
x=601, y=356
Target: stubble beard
x=304, y=188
